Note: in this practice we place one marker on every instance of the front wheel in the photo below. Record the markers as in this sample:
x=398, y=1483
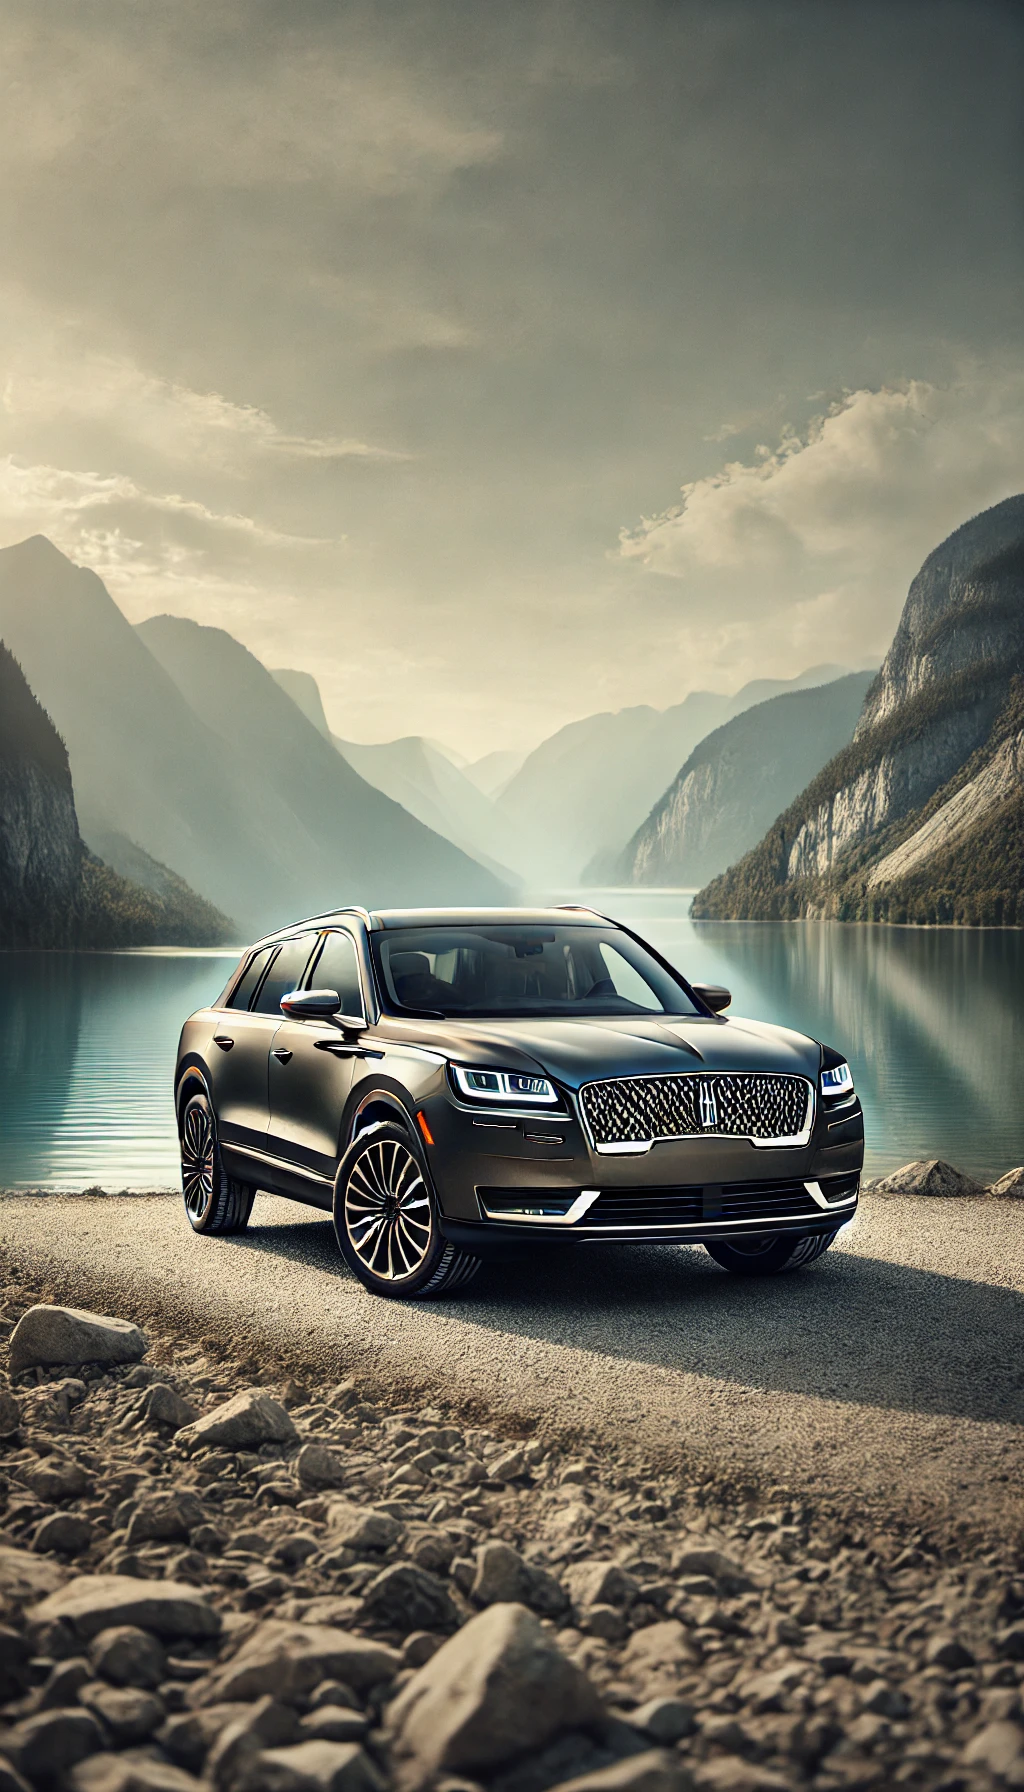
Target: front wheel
x=214, y=1202
x=770, y=1255
x=385, y=1219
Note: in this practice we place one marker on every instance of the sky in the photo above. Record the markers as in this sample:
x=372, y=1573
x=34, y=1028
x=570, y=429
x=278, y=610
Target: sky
x=498, y=365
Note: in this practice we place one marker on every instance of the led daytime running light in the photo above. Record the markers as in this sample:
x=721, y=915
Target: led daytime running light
x=837, y=1081
x=504, y=1086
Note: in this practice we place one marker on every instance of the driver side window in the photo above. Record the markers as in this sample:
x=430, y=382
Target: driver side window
x=337, y=968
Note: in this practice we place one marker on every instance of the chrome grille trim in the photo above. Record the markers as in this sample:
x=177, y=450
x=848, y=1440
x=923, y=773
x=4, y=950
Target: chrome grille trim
x=622, y=1115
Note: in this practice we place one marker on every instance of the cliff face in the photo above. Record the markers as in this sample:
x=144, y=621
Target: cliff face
x=53, y=891
x=738, y=779
x=933, y=753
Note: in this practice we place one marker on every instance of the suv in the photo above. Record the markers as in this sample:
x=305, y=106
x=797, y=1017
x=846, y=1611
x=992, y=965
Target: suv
x=452, y=1082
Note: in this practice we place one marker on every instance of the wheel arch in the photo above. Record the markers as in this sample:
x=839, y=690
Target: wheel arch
x=375, y=1105
x=192, y=1079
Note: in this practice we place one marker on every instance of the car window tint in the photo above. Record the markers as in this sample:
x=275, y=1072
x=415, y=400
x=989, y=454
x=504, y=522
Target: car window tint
x=243, y=993
x=284, y=974
x=336, y=968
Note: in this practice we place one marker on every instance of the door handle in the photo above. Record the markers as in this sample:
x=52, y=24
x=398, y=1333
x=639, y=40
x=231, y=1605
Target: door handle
x=224, y=1040
x=338, y=1050
x=281, y=1055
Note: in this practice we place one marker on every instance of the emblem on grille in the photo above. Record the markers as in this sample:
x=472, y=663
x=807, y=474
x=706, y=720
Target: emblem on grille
x=708, y=1108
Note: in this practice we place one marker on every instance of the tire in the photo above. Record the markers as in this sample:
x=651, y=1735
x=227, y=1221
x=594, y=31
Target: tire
x=386, y=1219
x=215, y=1204
x=771, y=1254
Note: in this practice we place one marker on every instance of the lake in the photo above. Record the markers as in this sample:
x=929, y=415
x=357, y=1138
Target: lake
x=932, y=1021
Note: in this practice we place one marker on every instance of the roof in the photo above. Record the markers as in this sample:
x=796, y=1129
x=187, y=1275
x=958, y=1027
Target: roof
x=382, y=919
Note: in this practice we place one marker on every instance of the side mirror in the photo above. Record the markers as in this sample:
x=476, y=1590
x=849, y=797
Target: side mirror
x=714, y=995
x=310, y=1004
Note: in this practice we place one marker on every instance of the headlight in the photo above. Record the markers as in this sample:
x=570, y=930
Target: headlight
x=504, y=1085
x=837, y=1080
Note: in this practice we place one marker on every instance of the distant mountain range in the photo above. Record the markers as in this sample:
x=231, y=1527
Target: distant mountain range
x=53, y=891
x=420, y=776
x=580, y=796
x=921, y=817
x=736, y=781
x=184, y=747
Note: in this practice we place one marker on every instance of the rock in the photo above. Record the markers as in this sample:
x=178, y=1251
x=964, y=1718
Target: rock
x=131, y=1773
x=507, y=1467
x=10, y=1413
x=314, y=1767
x=63, y=1683
x=319, y=1468
x=667, y=1720
x=658, y=1650
x=25, y=1577
x=13, y=1663
x=10, y=1778
x=721, y=1568
x=947, y=1651
x=266, y=1724
x=501, y=1577
x=600, y=1583
x=653, y=1771
x=731, y=1773
x=56, y=1478
x=47, y=1745
x=1010, y=1643
x=164, y=1518
x=999, y=1747
x=293, y=1550
x=404, y=1597
x=360, y=1528
x=289, y=1660
x=335, y=1723
x=246, y=1420
x=163, y=1405
x=605, y=1621
x=64, y=1532
x=765, y=1692
x=128, y=1713
x=188, y=1736
x=127, y=1656
x=826, y=1650
x=335, y=1692
x=884, y=1700
x=927, y=1177
x=47, y=1335
x=95, y=1602
x=1010, y=1186
x=498, y=1689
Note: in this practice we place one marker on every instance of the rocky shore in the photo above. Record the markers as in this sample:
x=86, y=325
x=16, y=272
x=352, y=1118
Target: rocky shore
x=212, y=1579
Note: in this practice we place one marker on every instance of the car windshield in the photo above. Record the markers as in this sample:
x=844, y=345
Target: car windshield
x=531, y=969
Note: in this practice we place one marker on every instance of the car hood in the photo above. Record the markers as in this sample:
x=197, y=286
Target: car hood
x=579, y=1051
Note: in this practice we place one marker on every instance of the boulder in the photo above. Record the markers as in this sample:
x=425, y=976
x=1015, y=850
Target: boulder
x=1010, y=1186
x=64, y=1532
x=927, y=1177
x=266, y=1724
x=360, y=1528
x=729, y=1574
x=656, y=1654
x=290, y=1659
x=46, y=1746
x=188, y=1736
x=666, y=1720
x=25, y=1577
x=47, y=1335
x=14, y=1669
x=10, y=1778
x=319, y=1468
x=498, y=1689
x=313, y=1767
x=10, y=1413
x=63, y=1683
x=600, y=1583
x=127, y=1712
x=127, y=1656
x=501, y=1578
x=732, y=1773
x=999, y=1747
x=404, y=1597
x=163, y=1405
x=131, y=1773
x=653, y=1771
x=95, y=1602
x=164, y=1518
x=56, y=1478
x=246, y=1420
x=334, y=1723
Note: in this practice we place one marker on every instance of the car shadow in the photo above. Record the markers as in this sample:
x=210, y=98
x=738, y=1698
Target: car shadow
x=850, y=1328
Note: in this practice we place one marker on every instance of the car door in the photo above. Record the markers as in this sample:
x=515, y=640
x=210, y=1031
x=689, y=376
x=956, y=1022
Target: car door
x=312, y=1066
x=240, y=1053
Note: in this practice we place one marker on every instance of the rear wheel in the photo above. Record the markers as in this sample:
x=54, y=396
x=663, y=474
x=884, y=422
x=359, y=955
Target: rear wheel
x=214, y=1201
x=769, y=1255
x=385, y=1219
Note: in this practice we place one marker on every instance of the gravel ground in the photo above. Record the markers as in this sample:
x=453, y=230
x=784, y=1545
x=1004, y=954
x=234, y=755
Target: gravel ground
x=887, y=1377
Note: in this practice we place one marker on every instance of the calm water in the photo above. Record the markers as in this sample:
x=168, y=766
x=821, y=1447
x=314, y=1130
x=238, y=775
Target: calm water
x=931, y=1020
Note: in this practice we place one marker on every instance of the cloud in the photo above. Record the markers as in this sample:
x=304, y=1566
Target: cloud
x=811, y=545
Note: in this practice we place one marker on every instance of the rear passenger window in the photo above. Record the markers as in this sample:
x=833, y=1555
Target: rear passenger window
x=284, y=975
x=244, y=990
x=336, y=968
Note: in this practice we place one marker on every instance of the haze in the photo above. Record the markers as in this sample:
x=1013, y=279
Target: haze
x=498, y=366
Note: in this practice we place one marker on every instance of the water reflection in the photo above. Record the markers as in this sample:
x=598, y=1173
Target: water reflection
x=931, y=1021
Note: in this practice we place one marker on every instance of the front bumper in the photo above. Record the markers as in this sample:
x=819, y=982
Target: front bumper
x=523, y=1179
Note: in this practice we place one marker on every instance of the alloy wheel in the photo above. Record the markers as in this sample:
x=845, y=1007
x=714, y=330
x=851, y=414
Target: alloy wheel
x=197, y=1165
x=387, y=1211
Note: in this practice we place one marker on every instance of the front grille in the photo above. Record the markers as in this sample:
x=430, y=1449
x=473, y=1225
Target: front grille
x=636, y=1109
x=689, y=1206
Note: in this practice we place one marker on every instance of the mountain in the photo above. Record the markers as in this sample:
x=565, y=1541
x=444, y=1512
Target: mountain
x=491, y=773
x=921, y=817
x=738, y=779
x=303, y=689
x=53, y=891
x=420, y=776
x=585, y=790
x=337, y=837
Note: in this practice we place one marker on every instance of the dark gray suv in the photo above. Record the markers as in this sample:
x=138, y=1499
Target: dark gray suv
x=454, y=1083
